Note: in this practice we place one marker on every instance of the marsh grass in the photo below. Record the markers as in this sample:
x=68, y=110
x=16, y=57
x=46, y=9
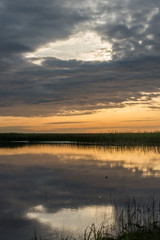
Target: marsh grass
x=136, y=221
x=139, y=221
x=109, y=139
x=100, y=233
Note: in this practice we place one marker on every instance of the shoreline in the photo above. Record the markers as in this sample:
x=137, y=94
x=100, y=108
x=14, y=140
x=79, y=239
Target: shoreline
x=104, y=139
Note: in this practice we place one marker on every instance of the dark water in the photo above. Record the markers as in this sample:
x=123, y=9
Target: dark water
x=65, y=188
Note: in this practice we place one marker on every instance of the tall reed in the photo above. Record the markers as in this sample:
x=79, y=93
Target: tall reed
x=135, y=221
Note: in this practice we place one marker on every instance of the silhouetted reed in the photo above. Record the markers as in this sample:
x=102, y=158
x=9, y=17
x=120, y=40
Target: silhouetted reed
x=136, y=221
x=109, y=139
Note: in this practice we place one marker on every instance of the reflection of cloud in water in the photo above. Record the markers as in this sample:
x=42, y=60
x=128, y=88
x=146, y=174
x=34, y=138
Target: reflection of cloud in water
x=144, y=160
x=66, y=184
x=74, y=220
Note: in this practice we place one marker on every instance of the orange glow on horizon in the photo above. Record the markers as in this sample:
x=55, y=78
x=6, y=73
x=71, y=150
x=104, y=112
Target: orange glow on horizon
x=134, y=118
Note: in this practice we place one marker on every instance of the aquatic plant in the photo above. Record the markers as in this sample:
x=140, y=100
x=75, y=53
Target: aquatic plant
x=136, y=221
x=109, y=139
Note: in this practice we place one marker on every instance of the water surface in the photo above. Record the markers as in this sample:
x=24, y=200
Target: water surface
x=65, y=188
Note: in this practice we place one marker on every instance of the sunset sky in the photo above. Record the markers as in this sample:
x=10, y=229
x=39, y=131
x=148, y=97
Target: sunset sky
x=79, y=65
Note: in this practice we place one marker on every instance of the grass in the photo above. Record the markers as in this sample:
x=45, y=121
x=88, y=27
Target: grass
x=139, y=221
x=109, y=139
x=133, y=222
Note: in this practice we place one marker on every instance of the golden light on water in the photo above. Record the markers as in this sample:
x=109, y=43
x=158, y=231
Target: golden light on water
x=144, y=160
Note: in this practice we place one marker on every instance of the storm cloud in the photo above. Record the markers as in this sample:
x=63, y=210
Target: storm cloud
x=27, y=25
x=59, y=87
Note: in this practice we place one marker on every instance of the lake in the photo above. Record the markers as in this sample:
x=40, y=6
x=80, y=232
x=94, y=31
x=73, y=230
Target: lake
x=63, y=188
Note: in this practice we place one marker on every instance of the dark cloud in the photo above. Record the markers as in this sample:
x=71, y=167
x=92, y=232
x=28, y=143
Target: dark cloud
x=131, y=27
x=74, y=87
x=77, y=87
x=65, y=122
x=14, y=129
x=138, y=120
x=27, y=25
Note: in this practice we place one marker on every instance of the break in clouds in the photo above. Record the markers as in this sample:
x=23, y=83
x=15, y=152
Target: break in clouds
x=73, y=86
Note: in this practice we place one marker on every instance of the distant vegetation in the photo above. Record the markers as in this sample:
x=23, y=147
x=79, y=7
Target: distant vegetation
x=109, y=139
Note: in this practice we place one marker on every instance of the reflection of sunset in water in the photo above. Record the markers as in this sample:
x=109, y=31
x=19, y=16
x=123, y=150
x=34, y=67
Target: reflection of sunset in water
x=143, y=159
x=69, y=187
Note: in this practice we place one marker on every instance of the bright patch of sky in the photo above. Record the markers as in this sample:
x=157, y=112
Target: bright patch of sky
x=81, y=46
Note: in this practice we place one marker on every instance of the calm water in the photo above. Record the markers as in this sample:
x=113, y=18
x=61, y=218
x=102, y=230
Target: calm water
x=63, y=188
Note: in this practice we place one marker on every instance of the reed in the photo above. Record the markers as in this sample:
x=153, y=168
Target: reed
x=108, y=139
x=136, y=221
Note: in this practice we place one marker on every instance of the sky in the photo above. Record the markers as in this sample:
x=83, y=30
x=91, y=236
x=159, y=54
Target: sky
x=79, y=66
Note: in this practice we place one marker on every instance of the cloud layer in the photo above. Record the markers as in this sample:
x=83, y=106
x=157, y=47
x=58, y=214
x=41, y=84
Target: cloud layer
x=72, y=87
x=77, y=87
